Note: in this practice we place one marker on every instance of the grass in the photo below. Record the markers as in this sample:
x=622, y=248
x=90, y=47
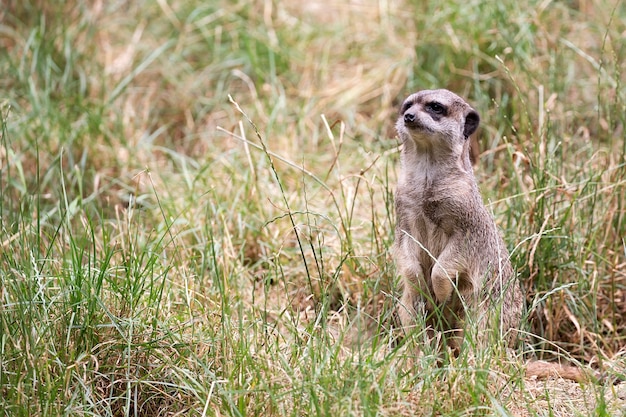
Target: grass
x=196, y=204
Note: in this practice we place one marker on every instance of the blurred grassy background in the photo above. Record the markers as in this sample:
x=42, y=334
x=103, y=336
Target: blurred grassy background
x=160, y=256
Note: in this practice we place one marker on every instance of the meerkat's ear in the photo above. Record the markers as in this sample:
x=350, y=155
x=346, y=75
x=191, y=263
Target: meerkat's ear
x=472, y=120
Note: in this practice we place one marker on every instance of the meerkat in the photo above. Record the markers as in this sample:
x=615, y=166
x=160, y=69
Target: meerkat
x=449, y=253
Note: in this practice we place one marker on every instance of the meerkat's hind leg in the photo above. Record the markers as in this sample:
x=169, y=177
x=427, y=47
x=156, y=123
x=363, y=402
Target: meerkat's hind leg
x=454, y=293
x=412, y=293
x=407, y=312
x=418, y=313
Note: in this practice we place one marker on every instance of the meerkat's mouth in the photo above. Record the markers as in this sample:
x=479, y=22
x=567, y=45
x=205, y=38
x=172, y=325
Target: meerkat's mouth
x=413, y=123
x=415, y=126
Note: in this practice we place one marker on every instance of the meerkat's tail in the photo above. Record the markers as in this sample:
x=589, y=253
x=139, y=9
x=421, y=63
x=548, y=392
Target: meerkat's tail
x=544, y=370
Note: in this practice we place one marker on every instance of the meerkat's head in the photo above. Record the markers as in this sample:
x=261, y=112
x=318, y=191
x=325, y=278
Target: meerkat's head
x=437, y=120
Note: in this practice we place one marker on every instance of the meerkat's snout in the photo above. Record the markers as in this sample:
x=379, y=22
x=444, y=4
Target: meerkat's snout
x=409, y=118
x=409, y=114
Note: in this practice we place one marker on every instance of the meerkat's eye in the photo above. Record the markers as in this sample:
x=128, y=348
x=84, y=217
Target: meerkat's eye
x=436, y=108
x=405, y=106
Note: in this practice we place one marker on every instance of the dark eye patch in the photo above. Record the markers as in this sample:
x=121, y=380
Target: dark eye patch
x=436, y=108
x=405, y=106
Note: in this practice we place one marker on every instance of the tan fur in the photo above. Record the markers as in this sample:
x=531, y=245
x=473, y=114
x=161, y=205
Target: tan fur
x=545, y=370
x=448, y=251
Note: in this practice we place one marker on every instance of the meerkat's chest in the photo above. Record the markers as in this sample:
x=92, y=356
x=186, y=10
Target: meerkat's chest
x=419, y=233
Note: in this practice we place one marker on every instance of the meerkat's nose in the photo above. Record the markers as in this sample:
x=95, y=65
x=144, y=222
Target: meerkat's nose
x=409, y=117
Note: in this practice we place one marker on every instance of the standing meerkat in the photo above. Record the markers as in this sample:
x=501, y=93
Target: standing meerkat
x=453, y=262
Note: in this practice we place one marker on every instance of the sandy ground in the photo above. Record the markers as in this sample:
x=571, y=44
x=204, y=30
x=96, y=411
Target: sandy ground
x=558, y=397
